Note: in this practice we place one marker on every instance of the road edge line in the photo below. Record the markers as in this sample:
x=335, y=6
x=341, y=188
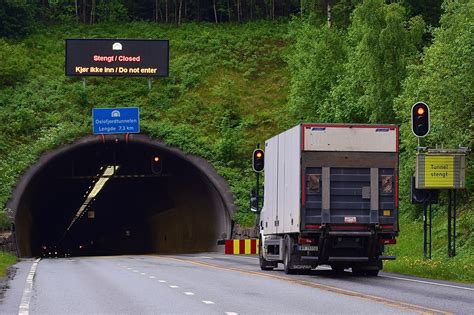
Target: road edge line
x=24, y=308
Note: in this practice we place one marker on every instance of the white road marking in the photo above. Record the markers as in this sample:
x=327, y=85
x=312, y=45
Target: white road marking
x=162, y=281
x=25, y=299
x=428, y=282
x=135, y=270
x=189, y=293
x=231, y=313
x=152, y=277
x=173, y=286
x=143, y=274
x=208, y=302
x=129, y=268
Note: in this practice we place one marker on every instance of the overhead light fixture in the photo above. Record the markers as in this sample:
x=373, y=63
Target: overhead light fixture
x=103, y=179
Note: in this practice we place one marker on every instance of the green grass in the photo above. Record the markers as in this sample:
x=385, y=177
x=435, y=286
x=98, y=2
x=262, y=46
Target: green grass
x=409, y=248
x=6, y=260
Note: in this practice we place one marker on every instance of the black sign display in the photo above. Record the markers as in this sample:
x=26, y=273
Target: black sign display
x=117, y=57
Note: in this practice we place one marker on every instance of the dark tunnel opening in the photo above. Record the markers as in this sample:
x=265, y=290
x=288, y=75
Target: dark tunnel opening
x=181, y=206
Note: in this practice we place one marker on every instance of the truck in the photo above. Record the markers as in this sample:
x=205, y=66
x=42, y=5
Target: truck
x=330, y=198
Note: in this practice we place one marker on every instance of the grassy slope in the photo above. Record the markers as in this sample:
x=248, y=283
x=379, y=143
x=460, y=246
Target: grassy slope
x=229, y=82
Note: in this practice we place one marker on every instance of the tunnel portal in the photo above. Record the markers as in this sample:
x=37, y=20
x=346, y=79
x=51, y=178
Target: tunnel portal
x=178, y=206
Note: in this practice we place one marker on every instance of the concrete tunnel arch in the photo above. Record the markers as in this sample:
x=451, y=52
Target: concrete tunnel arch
x=186, y=211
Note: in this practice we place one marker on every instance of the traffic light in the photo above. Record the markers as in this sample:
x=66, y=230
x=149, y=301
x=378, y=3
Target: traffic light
x=156, y=164
x=420, y=119
x=258, y=160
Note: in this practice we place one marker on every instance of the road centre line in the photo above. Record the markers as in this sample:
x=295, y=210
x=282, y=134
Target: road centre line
x=208, y=302
x=428, y=282
x=173, y=286
x=24, y=308
x=162, y=281
x=152, y=277
x=189, y=293
x=393, y=303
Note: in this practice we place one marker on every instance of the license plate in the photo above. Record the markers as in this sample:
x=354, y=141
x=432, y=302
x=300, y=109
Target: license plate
x=308, y=248
x=350, y=219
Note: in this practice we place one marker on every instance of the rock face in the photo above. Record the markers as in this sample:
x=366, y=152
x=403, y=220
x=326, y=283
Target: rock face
x=7, y=242
x=241, y=233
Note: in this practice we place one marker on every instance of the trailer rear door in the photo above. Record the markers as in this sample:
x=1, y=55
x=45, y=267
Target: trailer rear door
x=349, y=183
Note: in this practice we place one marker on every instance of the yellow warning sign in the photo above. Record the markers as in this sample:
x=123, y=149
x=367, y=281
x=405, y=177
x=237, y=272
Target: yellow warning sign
x=439, y=171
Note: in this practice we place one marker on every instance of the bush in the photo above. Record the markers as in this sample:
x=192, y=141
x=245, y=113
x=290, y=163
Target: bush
x=14, y=63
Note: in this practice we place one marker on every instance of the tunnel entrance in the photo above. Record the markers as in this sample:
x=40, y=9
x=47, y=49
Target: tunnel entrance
x=107, y=196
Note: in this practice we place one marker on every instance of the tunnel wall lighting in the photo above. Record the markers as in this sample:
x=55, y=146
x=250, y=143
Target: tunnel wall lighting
x=103, y=179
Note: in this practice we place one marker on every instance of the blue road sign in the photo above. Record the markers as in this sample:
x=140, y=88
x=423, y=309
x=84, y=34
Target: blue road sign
x=116, y=120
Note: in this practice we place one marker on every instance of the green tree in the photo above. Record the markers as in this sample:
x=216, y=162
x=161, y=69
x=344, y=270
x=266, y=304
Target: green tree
x=381, y=43
x=314, y=63
x=444, y=80
x=16, y=18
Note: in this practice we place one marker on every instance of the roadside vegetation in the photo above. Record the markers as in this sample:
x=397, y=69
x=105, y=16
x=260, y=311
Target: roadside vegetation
x=6, y=260
x=233, y=85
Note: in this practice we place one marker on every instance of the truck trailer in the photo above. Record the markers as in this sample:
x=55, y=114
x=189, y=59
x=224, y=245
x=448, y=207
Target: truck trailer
x=330, y=198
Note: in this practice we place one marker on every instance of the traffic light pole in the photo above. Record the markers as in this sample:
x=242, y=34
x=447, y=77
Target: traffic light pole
x=257, y=190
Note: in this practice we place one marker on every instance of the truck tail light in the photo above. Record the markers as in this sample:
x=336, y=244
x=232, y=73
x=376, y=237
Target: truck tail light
x=388, y=241
x=312, y=226
x=303, y=241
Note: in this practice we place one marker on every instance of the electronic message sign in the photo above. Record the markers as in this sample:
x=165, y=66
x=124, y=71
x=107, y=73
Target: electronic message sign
x=117, y=57
x=440, y=171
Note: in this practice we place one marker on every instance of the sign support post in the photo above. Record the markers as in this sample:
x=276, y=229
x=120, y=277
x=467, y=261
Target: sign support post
x=427, y=235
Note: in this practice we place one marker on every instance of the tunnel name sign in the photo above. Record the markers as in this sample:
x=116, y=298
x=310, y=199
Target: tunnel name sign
x=440, y=171
x=116, y=120
x=117, y=57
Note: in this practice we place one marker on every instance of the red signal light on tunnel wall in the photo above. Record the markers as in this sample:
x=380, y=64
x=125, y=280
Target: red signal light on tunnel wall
x=156, y=164
x=420, y=119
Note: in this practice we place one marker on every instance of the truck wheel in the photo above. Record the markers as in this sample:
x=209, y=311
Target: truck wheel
x=287, y=261
x=264, y=264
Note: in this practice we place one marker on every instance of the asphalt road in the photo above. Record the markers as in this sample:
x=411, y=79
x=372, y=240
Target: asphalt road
x=218, y=284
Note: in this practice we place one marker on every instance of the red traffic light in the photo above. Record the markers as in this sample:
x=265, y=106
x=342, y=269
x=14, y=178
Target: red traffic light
x=258, y=160
x=420, y=119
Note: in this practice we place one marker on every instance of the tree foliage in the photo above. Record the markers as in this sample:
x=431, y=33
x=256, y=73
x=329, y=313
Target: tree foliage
x=382, y=41
x=16, y=18
x=315, y=62
x=444, y=80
